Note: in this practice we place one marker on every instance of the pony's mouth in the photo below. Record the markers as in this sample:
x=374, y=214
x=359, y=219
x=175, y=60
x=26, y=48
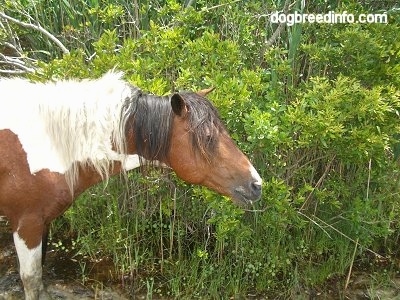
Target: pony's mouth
x=245, y=197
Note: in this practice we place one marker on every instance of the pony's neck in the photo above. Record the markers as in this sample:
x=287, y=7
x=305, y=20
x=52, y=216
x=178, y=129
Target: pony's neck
x=148, y=129
x=89, y=177
x=147, y=126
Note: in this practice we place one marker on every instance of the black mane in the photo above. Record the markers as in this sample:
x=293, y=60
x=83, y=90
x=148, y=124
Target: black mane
x=151, y=118
x=205, y=125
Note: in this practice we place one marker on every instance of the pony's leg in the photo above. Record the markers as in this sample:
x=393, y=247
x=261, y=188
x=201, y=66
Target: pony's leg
x=45, y=240
x=30, y=260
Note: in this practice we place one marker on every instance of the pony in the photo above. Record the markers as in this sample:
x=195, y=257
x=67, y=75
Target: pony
x=58, y=138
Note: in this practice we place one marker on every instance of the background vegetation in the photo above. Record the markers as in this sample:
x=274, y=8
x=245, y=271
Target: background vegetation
x=315, y=106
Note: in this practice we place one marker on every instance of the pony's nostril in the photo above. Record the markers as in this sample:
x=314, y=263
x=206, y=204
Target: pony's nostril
x=256, y=188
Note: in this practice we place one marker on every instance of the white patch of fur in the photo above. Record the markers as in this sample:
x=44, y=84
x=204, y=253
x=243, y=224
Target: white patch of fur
x=67, y=121
x=30, y=260
x=129, y=162
x=255, y=175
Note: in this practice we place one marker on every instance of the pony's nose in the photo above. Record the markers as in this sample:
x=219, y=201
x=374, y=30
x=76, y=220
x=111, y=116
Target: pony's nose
x=255, y=187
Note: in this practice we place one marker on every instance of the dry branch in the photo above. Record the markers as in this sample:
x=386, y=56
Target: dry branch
x=38, y=28
x=13, y=61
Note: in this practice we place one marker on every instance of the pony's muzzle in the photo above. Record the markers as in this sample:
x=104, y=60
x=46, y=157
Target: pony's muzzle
x=248, y=194
x=256, y=189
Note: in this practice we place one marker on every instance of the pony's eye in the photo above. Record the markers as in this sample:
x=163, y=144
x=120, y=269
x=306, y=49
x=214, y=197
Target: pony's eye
x=211, y=139
x=209, y=135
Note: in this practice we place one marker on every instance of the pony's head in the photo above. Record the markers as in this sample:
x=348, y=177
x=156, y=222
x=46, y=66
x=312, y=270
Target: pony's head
x=185, y=132
x=202, y=152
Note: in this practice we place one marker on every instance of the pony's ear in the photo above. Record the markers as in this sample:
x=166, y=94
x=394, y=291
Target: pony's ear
x=178, y=105
x=205, y=92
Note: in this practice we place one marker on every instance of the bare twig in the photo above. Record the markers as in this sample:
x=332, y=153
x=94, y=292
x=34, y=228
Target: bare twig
x=13, y=47
x=351, y=267
x=369, y=177
x=317, y=220
x=16, y=63
x=220, y=5
x=315, y=223
x=38, y=28
x=320, y=181
x=278, y=30
x=12, y=72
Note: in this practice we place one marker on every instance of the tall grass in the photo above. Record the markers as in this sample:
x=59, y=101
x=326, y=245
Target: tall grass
x=78, y=24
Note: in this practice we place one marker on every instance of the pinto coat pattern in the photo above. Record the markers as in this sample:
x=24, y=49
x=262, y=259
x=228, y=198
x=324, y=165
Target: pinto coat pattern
x=59, y=138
